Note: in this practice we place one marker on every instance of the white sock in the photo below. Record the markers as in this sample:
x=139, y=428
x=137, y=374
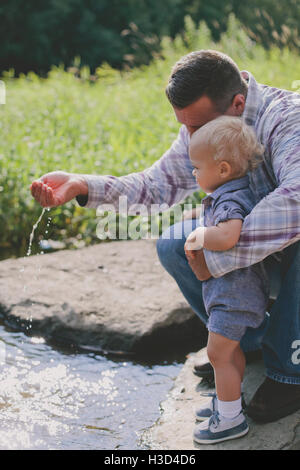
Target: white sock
x=230, y=409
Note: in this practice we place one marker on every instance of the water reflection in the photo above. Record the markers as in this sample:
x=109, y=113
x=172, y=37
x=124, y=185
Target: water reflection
x=54, y=400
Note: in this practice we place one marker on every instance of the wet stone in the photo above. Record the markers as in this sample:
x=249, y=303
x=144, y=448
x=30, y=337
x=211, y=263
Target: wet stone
x=111, y=297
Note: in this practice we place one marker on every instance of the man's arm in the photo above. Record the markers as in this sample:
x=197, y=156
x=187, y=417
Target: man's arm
x=168, y=181
x=274, y=223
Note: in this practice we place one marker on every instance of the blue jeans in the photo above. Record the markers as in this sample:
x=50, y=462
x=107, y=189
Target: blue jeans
x=279, y=334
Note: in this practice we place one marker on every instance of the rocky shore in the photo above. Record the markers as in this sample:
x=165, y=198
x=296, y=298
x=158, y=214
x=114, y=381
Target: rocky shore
x=174, y=429
x=115, y=298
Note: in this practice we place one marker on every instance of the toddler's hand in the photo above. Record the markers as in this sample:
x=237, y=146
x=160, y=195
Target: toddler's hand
x=195, y=240
x=190, y=254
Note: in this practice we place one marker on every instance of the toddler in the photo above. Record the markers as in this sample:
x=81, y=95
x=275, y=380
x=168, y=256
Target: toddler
x=222, y=152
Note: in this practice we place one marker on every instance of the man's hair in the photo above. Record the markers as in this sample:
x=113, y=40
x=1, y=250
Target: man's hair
x=232, y=140
x=205, y=72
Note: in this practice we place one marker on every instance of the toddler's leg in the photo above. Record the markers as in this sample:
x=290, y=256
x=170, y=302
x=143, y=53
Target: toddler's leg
x=227, y=420
x=228, y=361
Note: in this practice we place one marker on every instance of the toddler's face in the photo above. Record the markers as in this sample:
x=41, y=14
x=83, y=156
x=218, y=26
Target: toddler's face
x=206, y=169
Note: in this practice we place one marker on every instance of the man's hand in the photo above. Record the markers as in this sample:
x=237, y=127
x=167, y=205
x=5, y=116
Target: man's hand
x=198, y=264
x=58, y=187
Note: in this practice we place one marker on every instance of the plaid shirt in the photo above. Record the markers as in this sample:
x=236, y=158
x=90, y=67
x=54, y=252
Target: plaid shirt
x=274, y=223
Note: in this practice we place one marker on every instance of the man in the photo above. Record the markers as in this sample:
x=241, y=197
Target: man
x=204, y=85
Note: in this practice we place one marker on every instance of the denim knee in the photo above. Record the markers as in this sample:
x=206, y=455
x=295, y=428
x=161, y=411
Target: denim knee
x=168, y=250
x=171, y=243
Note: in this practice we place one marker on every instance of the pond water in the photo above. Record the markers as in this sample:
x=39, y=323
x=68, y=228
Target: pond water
x=56, y=399
x=52, y=399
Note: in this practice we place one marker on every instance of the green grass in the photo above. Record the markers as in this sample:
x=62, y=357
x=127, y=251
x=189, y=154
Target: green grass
x=117, y=124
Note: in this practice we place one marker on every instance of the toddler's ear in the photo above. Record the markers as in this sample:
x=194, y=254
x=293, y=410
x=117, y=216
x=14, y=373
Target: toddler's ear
x=225, y=169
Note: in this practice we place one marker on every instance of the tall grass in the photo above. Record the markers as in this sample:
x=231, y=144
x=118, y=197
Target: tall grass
x=114, y=123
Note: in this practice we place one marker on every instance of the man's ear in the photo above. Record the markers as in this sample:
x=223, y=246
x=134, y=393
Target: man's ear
x=225, y=169
x=237, y=106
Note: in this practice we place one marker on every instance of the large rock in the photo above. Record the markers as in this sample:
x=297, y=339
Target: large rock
x=174, y=430
x=108, y=297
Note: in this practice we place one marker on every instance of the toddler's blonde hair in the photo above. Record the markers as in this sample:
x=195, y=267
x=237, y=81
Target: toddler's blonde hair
x=232, y=140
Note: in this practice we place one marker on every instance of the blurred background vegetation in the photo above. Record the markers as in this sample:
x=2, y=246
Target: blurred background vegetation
x=85, y=91
x=35, y=35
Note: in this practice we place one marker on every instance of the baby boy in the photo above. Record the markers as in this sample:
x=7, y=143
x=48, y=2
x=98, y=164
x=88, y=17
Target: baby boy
x=222, y=153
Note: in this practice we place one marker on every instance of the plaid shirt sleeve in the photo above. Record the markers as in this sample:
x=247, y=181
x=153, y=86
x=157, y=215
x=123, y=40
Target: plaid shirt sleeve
x=274, y=223
x=169, y=180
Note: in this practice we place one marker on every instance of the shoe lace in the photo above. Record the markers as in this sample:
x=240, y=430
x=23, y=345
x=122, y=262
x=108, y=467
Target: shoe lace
x=214, y=396
x=214, y=419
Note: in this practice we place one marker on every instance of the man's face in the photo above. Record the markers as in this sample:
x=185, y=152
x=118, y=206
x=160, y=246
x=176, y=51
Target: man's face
x=204, y=110
x=197, y=114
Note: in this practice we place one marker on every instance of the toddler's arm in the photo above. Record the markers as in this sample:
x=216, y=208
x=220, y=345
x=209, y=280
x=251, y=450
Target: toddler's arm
x=221, y=237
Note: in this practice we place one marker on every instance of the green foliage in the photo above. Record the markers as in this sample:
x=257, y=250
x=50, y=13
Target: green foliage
x=35, y=35
x=125, y=33
x=109, y=123
x=270, y=23
x=267, y=22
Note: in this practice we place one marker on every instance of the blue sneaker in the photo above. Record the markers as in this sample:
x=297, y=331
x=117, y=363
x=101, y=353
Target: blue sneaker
x=205, y=411
x=218, y=429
